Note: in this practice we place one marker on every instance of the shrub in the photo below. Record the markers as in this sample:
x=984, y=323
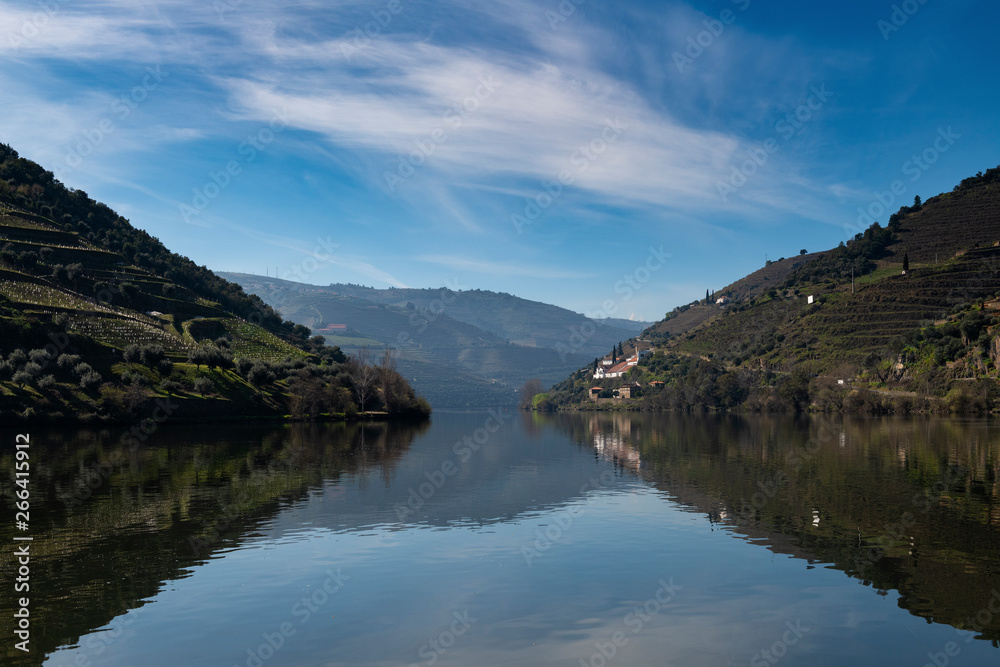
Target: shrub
x=66, y=362
x=260, y=375
x=40, y=357
x=89, y=379
x=151, y=355
x=203, y=385
x=171, y=386
x=243, y=366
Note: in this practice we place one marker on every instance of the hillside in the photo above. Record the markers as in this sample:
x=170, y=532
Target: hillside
x=517, y=320
x=99, y=321
x=685, y=318
x=441, y=349
x=924, y=338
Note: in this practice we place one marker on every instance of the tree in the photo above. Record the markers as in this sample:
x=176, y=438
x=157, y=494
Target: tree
x=260, y=375
x=706, y=297
x=614, y=355
x=595, y=364
x=906, y=260
x=802, y=252
x=362, y=374
x=202, y=385
x=621, y=352
x=528, y=392
x=393, y=387
x=917, y=204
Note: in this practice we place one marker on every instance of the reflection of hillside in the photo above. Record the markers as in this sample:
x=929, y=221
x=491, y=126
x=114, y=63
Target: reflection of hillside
x=910, y=506
x=172, y=505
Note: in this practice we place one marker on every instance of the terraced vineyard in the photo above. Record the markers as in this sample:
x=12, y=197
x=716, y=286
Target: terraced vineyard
x=99, y=321
x=954, y=254
x=30, y=294
x=253, y=342
x=949, y=223
x=120, y=332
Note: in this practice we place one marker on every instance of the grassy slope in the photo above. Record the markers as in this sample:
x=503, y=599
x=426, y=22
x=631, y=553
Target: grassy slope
x=954, y=275
x=101, y=329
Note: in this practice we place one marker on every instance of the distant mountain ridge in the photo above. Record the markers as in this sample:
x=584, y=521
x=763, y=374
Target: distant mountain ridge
x=458, y=347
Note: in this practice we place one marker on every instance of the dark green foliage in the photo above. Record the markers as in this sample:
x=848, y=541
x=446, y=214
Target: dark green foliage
x=981, y=178
x=859, y=255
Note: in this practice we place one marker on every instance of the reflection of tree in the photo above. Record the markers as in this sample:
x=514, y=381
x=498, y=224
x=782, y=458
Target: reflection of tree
x=170, y=504
x=847, y=491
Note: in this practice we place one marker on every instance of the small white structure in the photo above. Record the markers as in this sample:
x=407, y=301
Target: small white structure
x=811, y=298
x=722, y=300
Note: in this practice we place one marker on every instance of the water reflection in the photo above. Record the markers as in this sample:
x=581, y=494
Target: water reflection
x=903, y=505
x=113, y=526
x=435, y=521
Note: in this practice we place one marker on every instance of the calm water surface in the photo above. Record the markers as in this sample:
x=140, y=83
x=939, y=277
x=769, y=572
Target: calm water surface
x=568, y=540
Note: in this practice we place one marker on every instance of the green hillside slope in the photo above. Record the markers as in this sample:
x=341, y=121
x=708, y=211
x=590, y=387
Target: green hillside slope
x=99, y=321
x=806, y=334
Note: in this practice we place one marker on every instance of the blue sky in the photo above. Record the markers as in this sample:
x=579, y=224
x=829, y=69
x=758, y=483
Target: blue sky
x=537, y=148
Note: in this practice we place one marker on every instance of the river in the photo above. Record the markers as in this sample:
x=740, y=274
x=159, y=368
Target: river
x=501, y=538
